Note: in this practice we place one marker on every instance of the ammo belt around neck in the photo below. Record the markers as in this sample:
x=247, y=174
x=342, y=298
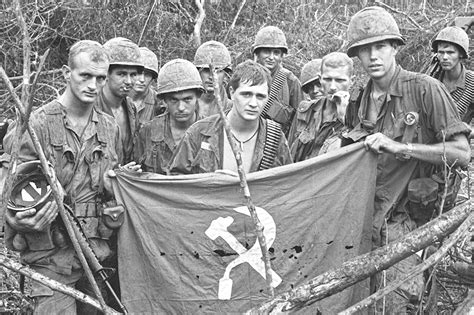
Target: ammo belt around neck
x=272, y=139
x=464, y=98
x=275, y=89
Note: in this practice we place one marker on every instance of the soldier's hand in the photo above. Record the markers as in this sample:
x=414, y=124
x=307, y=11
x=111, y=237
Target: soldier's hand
x=32, y=220
x=341, y=99
x=379, y=143
x=132, y=167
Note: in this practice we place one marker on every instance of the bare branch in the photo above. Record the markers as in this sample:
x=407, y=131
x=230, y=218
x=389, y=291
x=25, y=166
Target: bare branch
x=199, y=20
x=386, y=6
x=235, y=19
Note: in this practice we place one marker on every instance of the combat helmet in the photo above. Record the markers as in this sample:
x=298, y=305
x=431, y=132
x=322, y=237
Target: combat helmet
x=454, y=35
x=310, y=72
x=122, y=51
x=149, y=60
x=370, y=25
x=30, y=189
x=270, y=37
x=212, y=52
x=178, y=75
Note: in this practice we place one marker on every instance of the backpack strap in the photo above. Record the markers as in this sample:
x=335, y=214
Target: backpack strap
x=272, y=139
x=277, y=85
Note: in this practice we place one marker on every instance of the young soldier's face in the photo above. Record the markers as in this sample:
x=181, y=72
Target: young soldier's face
x=270, y=58
x=314, y=89
x=248, y=100
x=335, y=79
x=378, y=59
x=86, y=77
x=449, y=56
x=182, y=105
x=143, y=81
x=121, y=79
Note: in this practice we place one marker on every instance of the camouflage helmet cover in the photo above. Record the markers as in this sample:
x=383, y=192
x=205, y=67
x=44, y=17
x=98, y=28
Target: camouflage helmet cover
x=31, y=188
x=454, y=35
x=122, y=51
x=270, y=37
x=310, y=72
x=370, y=25
x=149, y=60
x=212, y=52
x=178, y=75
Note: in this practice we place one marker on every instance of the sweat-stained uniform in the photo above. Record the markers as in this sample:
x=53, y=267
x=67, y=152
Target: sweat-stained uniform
x=155, y=145
x=201, y=150
x=133, y=123
x=408, y=92
x=79, y=161
x=288, y=98
x=313, y=136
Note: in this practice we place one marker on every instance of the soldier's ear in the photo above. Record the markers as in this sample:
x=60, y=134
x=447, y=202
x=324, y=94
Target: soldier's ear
x=66, y=72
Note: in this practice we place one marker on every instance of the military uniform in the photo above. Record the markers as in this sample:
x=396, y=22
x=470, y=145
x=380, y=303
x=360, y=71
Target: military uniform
x=315, y=136
x=131, y=111
x=409, y=92
x=201, y=150
x=288, y=97
x=79, y=161
x=155, y=145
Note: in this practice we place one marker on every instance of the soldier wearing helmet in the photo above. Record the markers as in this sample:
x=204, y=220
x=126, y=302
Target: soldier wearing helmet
x=215, y=53
x=319, y=123
x=451, y=46
x=125, y=66
x=411, y=122
x=311, y=79
x=286, y=94
x=205, y=147
x=143, y=93
x=81, y=143
x=179, y=86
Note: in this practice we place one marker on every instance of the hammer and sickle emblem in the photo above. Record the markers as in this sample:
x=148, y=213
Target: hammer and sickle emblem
x=252, y=256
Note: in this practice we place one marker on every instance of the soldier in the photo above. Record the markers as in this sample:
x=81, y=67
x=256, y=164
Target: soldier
x=451, y=47
x=411, y=121
x=143, y=93
x=125, y=65
x=320, y=123
x=285, y=94
x=205, y=147
x=311, y=79
x=81, y=143
x=179, y=86
x=214, y=53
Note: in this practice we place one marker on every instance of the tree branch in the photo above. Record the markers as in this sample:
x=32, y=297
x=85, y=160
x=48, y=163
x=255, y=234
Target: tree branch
x=364, y=266
x=386, y=6
x=199, y=20
x=53, y=284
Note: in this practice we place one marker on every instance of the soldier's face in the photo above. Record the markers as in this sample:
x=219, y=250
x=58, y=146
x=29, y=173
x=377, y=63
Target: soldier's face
x=86, y=77
x=314, y=89
x=248, y=100
x=182, y=105
x=120, y=80
x=378, y=59
x=269, y=57
x=143, y=82
x=449, y=56
x=335, y=79
x=207, y=81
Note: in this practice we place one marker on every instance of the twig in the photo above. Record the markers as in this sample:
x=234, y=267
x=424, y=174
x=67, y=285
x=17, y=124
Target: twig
x=146, y=22
x=54, y=71
x=235, y=19
x=199, y=20
x=53, y=284
x=399, y=12
x=243, y=183
x=430, y=261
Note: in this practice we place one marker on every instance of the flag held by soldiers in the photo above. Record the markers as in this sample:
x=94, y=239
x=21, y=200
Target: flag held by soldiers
x=188, y=244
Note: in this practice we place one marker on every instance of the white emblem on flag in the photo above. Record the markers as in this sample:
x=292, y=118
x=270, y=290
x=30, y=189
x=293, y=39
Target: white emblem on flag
x=252, y=256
